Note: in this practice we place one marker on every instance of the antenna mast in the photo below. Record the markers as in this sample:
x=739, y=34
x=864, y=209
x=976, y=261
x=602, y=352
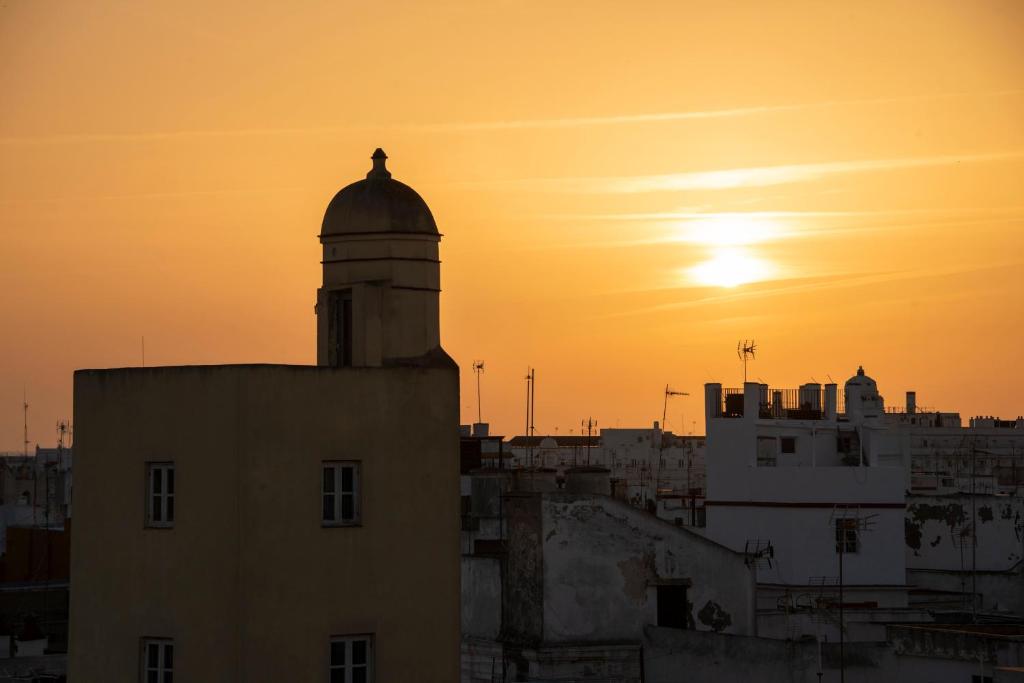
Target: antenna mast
x=24, y=405
x=478, y=368
x=531, y=380
x=746, y=349
x=661, y=441
x=589, y=424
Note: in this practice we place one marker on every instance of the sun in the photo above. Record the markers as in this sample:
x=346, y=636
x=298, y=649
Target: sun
x=730, y=229
x=730, y=267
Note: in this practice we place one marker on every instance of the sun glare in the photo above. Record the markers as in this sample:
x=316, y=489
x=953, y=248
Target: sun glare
x=730, y=267
x=730, y=229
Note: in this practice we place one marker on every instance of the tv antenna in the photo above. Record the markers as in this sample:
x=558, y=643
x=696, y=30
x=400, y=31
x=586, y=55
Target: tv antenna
x=24, y=407
x=478, y=369
x=531, y=381
x=746, y=349
x=661, y=442
x=590, y=424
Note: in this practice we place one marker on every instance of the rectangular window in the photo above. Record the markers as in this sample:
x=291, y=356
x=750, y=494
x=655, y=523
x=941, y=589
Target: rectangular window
x=340, y=327
x=672, y=606
x=767, y=451
x=351, y=659
x=340, y=493
x=787, y=444
x=160, y=494
x=846, y=536
x=157, y=660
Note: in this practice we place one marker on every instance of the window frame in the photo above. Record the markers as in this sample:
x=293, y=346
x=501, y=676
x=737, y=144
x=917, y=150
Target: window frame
x=783, y=441
x=337, y=493
x=166, y=498
x=847, y=534
x=163, y=645
x=347, y=667
x=671, y=598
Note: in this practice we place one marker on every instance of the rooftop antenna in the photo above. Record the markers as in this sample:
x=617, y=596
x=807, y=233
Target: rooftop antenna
x=589, y=424
x=24, y=406
x=531, y=378
x=478, y=368
x=661, y=442
x=746, y=349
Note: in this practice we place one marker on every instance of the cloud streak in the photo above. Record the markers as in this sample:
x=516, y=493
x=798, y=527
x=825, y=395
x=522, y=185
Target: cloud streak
x=484, y=126
x=734, y=178
x=818, y=284
x=668, y=117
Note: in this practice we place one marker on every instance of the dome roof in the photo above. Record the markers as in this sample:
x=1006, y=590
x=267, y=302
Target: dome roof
x=377, y=204
x=860, y=379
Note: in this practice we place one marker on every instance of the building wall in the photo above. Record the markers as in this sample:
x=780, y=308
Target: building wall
x=723, y=658
x=603, y=560
x=939, y=532
x=248, y=582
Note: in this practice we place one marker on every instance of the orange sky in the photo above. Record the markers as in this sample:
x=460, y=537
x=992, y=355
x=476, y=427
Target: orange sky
x=599, y=170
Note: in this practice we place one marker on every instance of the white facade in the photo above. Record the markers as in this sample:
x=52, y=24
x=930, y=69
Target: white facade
x=797, y=485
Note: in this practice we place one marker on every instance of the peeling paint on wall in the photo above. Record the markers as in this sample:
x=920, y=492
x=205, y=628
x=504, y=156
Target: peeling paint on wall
x=912, y=532
x=712, y=614
x=635, y=573
x=951, y=513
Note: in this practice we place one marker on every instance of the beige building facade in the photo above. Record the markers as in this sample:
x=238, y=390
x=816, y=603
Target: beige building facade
x=282, y=523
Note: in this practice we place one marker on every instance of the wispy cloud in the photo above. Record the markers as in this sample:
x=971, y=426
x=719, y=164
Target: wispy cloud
x=483, y=126
x=668, y=117
x=801, y=226
x=760, y=176
x=785, y=287
x=697, y=214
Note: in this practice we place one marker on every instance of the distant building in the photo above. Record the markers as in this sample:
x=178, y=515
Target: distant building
x=649, y=467
x=259, y=522
x=569, y=583
x=817, y=497
x=833, y=490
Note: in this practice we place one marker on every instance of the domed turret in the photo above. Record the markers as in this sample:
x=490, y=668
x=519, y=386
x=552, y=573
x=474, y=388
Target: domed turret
x=862, y=397
x=377, y=204
x=381, y=281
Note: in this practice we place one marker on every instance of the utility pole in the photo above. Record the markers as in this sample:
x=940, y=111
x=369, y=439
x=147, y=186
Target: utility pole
x=478, y=369
x=589, y=424
x=24, y=404
x=661, y=441
x=974, y=537
x=531, y=381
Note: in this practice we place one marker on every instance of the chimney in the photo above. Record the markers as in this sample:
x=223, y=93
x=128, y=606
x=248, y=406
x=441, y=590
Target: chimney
x=712, y=401
x=911, y=402
x=830, y=401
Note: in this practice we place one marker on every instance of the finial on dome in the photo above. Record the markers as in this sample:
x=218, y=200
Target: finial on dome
x=860, y=370
x=379, y=170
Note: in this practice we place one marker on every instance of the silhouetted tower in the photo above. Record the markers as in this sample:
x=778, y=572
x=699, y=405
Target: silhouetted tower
x=379, y=301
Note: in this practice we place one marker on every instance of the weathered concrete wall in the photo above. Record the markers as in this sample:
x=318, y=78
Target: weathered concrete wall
x=481, y=597
x=673, y=656
x=938, y=532
x=603, y=560
x=941, y=554
x=523, y=582
x=492, y=662
x=248, y=582
x=996, y=591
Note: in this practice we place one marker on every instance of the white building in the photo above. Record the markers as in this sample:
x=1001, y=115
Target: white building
x=815, y=497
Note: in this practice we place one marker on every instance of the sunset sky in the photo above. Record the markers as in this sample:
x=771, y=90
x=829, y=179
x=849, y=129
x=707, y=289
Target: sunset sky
x=625, y=190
